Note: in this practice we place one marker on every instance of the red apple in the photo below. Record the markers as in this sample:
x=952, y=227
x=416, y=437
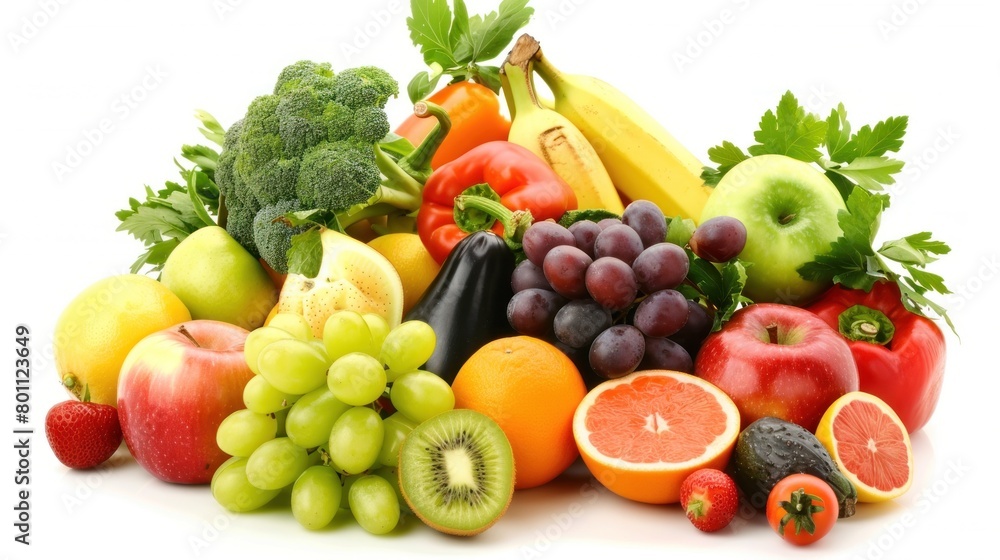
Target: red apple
x=175, y=388
x=778, y=360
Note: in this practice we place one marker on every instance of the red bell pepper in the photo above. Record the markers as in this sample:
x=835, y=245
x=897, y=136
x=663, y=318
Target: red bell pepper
x=515, y=177
x=900, y=355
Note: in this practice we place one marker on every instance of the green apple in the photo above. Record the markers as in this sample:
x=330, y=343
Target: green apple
x=218, y=279
x=790, y=211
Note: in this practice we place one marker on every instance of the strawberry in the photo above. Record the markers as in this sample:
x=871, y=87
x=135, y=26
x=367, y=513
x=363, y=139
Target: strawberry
x=83, y=434
x=709, y=498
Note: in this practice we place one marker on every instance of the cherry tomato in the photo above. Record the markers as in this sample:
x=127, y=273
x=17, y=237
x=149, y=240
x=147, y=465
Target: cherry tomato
x=802, y=508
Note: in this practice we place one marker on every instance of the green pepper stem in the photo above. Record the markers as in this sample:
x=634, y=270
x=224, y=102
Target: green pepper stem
x=515, y=222
x=866, y=324
x=418, y=163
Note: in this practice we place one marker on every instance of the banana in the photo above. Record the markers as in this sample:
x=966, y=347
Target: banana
x=552, y=137
x=642, y=158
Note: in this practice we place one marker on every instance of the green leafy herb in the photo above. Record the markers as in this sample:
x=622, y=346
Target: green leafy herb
x=722, y=287
x=167, y=216
x=853, y=262
x=455, y=44
x=851, y=158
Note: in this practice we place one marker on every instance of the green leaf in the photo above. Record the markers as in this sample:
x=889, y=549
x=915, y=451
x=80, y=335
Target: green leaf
x=861, y=222
x=922, y=241
x=722, y=287
x=489, y=36
x=489, y=76
x=927, y=280
x=460, y=32
x=887, y=136
x=396, y=145
x=430, y=29
x=791, y=132
x=726, y=155
x=871, y=172
x=902, y=251
x=422, y=85
x=838, y=136
x=680, y=230
x=306, y=253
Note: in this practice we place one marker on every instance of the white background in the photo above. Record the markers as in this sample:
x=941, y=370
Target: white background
x=707, y=70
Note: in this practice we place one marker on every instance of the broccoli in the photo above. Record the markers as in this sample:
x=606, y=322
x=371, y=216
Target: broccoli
x=315, y=144
x=272, y=234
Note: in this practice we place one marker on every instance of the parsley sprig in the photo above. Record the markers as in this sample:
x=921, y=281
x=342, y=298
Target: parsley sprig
x=851, y=159
x=854, y=262
x=168, y=215
x=456, y=44
x=858, y=164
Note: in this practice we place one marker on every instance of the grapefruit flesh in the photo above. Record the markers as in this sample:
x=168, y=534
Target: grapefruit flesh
x=869, y=443
x=642, y=434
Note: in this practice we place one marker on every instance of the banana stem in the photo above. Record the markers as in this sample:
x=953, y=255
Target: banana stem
x=516, y=76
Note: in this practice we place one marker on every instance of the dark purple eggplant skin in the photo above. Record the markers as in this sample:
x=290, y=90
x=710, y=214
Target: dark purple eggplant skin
x=466, y=304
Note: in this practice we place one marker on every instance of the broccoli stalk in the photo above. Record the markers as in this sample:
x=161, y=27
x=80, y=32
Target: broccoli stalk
x=400, y=192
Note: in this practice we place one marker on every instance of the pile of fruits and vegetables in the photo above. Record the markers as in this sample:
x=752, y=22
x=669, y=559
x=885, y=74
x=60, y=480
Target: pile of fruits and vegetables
x=377, y=319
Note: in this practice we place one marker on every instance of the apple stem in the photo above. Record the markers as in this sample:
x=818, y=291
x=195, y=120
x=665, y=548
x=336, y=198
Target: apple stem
x=772, y=333
x=786, y=218
x=185, y=332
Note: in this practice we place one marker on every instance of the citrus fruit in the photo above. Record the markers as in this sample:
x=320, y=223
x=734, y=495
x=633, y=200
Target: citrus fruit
x=531, y=389
x=642, y=434
x=411, y=260
x=352, y=276
x=100, y=325
x=869, y=443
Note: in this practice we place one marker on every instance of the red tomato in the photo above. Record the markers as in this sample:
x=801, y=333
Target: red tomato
x=802, y=508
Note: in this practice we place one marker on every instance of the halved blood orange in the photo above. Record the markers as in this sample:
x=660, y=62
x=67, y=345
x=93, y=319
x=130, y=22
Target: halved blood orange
x=642, y=434
x=870, y=444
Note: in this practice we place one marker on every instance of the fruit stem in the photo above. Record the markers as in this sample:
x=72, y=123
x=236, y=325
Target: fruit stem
x=181, y=329
x=772, y=333
x=517, y=68
x=799, y=509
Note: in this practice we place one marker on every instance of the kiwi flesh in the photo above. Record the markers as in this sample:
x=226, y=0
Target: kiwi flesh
x=456, y=472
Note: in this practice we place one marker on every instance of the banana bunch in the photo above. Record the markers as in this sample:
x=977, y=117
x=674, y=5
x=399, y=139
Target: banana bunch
x=595, y=136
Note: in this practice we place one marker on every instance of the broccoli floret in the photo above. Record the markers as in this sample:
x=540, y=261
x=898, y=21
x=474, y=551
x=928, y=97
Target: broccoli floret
x=367, y=86
x=273, y=237
x=315, y=141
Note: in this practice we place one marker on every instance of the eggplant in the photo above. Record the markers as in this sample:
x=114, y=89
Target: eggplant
x=466, y=304
x=770, y=449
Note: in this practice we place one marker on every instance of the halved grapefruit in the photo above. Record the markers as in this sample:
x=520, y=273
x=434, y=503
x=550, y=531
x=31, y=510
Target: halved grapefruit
x=869, y=443
x=641, y=435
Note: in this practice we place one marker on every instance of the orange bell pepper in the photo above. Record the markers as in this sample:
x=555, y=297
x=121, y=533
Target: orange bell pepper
x=475, y=119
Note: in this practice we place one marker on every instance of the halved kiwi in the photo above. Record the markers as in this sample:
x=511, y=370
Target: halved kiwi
x=456, y=472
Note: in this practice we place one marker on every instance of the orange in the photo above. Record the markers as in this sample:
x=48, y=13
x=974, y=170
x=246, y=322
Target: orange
x=870, y=444
x=531, y=390
x=100, y=326
x=641, y=435
x=416, y=268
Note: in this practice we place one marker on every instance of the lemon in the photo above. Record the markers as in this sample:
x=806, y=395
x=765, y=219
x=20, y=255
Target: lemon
x=352, y=276
x=416, y=268
x=100, y=325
